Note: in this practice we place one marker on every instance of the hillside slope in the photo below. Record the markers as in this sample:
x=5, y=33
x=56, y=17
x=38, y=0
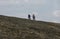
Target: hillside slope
x=18, y=28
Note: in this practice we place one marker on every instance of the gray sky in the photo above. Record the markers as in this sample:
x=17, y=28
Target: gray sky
x=46, y=10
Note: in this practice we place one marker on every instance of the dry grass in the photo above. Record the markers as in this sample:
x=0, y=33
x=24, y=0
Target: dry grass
x=17, y=28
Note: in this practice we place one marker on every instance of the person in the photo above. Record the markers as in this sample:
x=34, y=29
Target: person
x=33, y=17
x=29, y=17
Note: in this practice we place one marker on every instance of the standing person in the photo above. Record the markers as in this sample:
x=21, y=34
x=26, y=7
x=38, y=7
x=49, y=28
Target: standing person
x=29, y=17
x=33, y=17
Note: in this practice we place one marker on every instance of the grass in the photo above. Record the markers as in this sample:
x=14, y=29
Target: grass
x=18, y=28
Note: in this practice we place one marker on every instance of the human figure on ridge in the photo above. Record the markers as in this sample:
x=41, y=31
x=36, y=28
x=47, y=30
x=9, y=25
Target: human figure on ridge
x=29, y=17
x=33, y=16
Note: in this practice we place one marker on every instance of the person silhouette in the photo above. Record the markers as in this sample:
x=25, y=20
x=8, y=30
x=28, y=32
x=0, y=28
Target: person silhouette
x=29, y=17
x=33, y=17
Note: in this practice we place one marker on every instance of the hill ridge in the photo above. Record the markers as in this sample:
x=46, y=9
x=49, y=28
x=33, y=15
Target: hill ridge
x=19, y=28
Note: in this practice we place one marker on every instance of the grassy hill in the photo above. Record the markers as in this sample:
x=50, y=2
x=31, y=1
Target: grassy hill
x=18, y=28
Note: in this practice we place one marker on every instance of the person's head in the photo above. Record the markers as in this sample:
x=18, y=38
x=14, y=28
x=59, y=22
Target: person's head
x=33, y=14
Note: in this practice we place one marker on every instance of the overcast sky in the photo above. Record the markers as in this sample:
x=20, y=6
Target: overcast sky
x=46, y=10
